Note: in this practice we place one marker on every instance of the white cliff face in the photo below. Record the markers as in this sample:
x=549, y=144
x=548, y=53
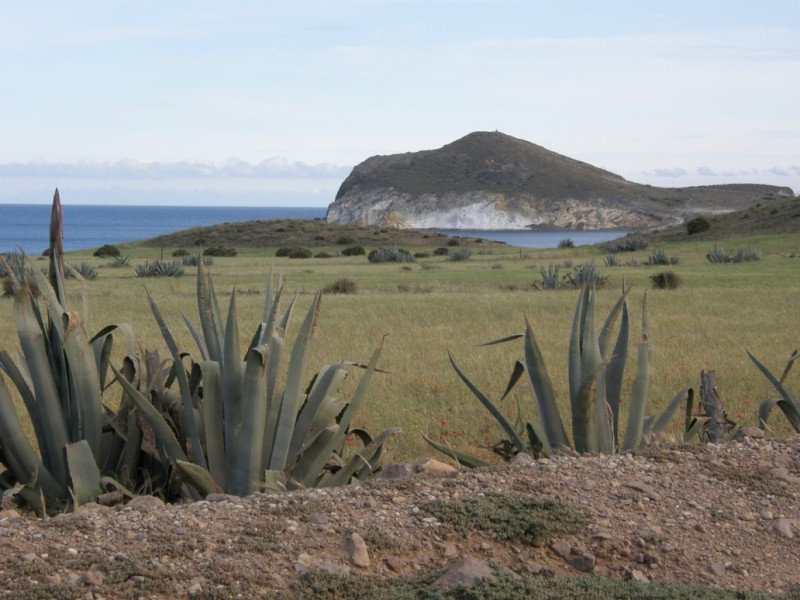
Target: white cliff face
x=479, y=210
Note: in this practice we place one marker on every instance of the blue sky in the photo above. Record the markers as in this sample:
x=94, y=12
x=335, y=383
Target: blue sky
x=272, y=103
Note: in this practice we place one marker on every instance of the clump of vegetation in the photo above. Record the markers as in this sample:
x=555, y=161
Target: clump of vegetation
x=453, y=242
x=15, y=273
x=323, y=254
x=84, y=269
x=612, y=260
x=194, y=259
x=459, y=254
x=659, y=256
x=344, y=240
x=441, y=251
x=421, y=254
x=788, y=403
x=718, y=255
x=586, y=274
x=630, y=243
x=550, y=278
x=221, y=251
x=122, y=260
x=697, y=225
x=666, y=280
x=340, y=286
x=180, y=252
x=566, y=243
x=354, y=251
x=159, y=268
x=107, y=251
x=393, y=254
x=512, y=516
x=294, y=252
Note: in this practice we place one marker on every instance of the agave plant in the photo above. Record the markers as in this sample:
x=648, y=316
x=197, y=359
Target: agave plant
x=59, y=376
x=596, y=371
x=238, y=431
x=788, y=403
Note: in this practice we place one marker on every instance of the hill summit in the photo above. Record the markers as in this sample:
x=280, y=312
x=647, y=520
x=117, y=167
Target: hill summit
x=490, y=180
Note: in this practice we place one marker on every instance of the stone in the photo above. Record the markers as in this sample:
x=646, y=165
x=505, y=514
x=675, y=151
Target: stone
x=150, y=502
x=94, y=578
x=562, y=549
x=582, y=562
x=783, y=527
x=357, y=548
x=430, y=465
x=522, y=459
x=718, y=569
x=748, y=432
x=397, y=471
x=394, y=563
x=645, y=489
x=466, y=571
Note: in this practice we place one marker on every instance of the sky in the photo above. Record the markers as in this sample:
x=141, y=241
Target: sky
x=270, y=102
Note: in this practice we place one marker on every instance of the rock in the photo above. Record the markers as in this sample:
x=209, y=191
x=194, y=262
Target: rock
x=333, y=568
x=318, y=518
x=718, y=569
x=430, y=465
x=9, y=513
x=357, y=548
x=783, y=527
x=638, y=576
x=394, y=563
x=645, y=489
x=583, y=563
x=218, y=497
x=522, y=459
x=466, y=571
x=748, y=432
x=194, y=589
x=94, y=578
x=397, y=471
x=151, y=502
x=562, y=549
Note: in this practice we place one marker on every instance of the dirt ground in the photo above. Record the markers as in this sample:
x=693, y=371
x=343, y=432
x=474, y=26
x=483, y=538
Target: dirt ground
x=725, y=516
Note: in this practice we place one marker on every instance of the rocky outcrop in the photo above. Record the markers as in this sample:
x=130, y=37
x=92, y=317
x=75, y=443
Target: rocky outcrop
x=488, y=180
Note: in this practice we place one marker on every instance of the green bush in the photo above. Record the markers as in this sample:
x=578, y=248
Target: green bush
x=459, y=254
x=697, y=225
x=107, y=251
x=354, y=251
x=84, y=269
x=120, y=261
x=221, y=251
x=194, y=259
x=345, y=240
x=323, y=255
x=659, y=257
x=566, y=243
x=453, y=242
x=159, y=268
x=340, y=286
x=294, y=252
x=630, y=243
x=665, y=281
x=180, y=252
x=393, y=254
x=441, y=251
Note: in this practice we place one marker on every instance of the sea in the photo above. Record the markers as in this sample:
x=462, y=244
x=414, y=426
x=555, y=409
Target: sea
x=27, y=226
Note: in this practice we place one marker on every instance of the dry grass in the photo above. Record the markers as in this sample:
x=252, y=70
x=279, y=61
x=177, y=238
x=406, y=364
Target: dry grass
x=707, y=323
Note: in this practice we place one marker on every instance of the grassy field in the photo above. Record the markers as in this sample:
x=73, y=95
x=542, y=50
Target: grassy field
x=435, y=306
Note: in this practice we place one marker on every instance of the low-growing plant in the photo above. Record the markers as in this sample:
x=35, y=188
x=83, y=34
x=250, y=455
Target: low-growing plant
x=612, y=260
x=745, y=255
x=697, y=225
x=453, y=242
x=323, y=254
x=122, y=260
x=354, y=251
x=16, y=273
x=294, y=252
x=341, y=286
x=459, y=254
x=84, y=269
x=107, y=251
x=441, y=251
x=666, y=280
x=159, y=268
x=194, y=259
x=717, y=255
x=221, y=251
x=393, y=254
x=586, y=274
x=595, y=374
x=659, y=256
x=630, y=243
x=180, y=252
x=345, y=240
x=550, y=278
x=788, y=403
x=566, y=243
x=422, y=254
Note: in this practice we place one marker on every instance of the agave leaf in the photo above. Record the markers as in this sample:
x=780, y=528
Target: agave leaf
x=210, y=321
x=575, y=362
x=503, y=340
x=232, y=392
x=536, y=439
x=542, y=387
x=197, y=336
x=598, y=424
x=516, y=374
x=293, y=395
x=53, y=424
x=18, y=454
x=695, y=429
x=161, y=428
x=183, y=383
x=273, y=406
x=275, y=481
x=83, y=473
x=620, y=308
x=244, y=472
x=794, y=356
x=197, y=477
x=360, y=459
x=213, y=417
x=20, y=377
x=789, y=409
x=661, y=423
x=461, y=458
x=326, y=384
x=615, y=371
x=489, y=405
x=640, y=394
x=787, y=395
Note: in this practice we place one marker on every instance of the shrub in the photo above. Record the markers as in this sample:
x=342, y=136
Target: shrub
x=180, y=252
x=586, y=274
x=566, y=243
x=630, y=243
x=441, y=251
x=421, y=254
x=459, y=254
x=717, y=255
x=453, y=242
x=354, y=251
x=697, y=225
x=550, y=279
x=345, y=240
x=221, y=251
x=742, y=255
x=323, y=255
x=340, y=286
x=159, y=268
x=666, y=280
x=294, y=252
x=107, y=251
x=612, y=260
x=659, y=257
x=393, y=254
x=120, y=261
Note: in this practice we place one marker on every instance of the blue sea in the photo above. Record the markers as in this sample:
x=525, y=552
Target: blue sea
x=27, y=226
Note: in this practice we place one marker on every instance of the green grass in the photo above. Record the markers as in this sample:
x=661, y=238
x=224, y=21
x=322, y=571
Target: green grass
x=440, y=306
